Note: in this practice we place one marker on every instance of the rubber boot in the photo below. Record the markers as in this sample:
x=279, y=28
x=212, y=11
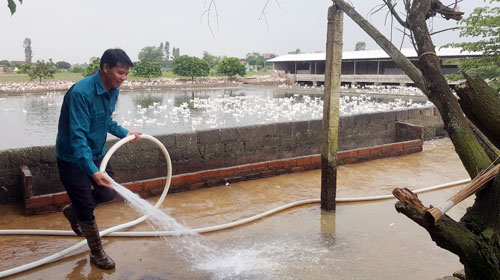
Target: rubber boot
x=70, y=214
x=97, y=254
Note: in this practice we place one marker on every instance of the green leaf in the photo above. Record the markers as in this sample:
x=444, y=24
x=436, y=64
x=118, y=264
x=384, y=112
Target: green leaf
x=12, y=6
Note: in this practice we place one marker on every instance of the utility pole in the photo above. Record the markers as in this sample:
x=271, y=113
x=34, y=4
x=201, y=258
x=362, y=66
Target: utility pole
x=330, y=130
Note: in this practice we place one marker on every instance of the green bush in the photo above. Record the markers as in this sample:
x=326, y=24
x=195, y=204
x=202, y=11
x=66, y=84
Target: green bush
x=231, y=66
x=147, y=69
x=190, y=66
x=92, y=68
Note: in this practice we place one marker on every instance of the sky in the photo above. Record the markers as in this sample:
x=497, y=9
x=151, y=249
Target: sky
x=76, y=30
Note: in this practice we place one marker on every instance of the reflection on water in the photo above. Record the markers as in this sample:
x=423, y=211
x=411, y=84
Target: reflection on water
x=31, y=119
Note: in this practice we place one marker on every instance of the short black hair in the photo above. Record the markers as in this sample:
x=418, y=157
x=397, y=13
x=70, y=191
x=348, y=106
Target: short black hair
x=113, y=57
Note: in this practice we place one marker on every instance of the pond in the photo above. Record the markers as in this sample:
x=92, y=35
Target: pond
x=31, y=119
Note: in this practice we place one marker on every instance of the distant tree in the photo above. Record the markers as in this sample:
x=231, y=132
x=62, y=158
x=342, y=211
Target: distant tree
x=147, y=69
x=483, y=23
x=162, y=48
x=41, y=69
x=175, y=52
x=167, y=50
x=28, y=52
x=6, y=64
x=212, y=60
x=63, y=65
x=231, y=66
x=151, y=53
x=297, y=51
x=24, y=68
x=360, y=46
x=190, y=66
x=256, y=59
x=92, y=68
x=77, y=69
x=12, y=5
x=16, y=64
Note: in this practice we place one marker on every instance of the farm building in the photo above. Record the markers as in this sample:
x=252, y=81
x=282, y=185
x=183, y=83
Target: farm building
x=371, y=67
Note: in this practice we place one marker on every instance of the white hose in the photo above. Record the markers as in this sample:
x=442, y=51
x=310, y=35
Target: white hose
x=102, y=168
x=115, y=231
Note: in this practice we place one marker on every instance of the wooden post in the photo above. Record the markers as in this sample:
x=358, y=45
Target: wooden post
x=329, y=141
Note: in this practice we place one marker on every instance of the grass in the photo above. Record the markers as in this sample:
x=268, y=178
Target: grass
x=260, y=73
x=73, y=77
x=60, y=76
x=64, y=76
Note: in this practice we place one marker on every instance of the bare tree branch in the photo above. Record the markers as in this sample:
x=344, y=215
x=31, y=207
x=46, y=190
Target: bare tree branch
x=213, y=7
x=376, y=9
x=392, y=9
x=444, y=30
x=277, y=3
x=455, y=4
x=263, y=12
x=207, y=12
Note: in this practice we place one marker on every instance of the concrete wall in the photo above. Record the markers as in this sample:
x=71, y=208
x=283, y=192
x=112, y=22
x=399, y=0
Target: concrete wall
x=359, y=79
x=213, y=149
x=54, y=202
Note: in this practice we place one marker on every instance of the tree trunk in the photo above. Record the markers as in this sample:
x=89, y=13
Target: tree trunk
x=481, y=104
x=475, y=239
x=490, y=149
x=331, y=109
x=434, y=85
x=478, y=246
x=468, y=148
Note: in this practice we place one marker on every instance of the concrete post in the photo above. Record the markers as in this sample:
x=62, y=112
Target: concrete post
x=329, y=143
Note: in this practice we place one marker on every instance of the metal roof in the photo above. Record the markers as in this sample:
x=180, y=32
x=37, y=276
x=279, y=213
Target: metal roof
x=369, y=54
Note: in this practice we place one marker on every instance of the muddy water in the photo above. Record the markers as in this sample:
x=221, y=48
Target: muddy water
x=359, y=241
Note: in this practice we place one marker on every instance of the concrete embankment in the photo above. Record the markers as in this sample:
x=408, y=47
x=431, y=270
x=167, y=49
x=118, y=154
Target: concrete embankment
x=214, y=157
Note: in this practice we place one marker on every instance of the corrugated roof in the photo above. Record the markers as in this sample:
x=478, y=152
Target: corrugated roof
x=369, y=54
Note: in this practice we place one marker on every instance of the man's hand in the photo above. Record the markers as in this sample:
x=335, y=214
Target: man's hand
x=101, y=179
x=137, y=136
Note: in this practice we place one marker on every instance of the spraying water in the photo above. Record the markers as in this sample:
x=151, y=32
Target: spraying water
x=156, y=217
x=189, y=243
x=193, y=246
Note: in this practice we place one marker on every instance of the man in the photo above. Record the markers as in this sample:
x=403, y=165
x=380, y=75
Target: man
x=85, y=120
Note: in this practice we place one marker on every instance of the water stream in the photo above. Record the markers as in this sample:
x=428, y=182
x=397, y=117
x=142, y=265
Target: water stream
x=202, y=254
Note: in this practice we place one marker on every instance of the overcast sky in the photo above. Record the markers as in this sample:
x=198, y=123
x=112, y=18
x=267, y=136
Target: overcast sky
x=75, y=30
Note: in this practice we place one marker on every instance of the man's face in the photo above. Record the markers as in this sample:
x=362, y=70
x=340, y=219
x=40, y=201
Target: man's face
x=114, y=77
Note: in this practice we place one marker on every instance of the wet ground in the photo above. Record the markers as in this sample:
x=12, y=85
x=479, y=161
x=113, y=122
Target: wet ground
x=359, y=241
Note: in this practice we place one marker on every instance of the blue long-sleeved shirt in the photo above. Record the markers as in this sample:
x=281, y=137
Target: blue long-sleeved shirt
x=86, y=117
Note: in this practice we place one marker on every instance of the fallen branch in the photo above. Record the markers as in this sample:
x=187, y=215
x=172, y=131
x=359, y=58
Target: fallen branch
x=407, y=196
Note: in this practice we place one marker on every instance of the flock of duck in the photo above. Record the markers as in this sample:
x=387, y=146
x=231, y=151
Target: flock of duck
x=44, y=86
x=225, y=110
x=219, y=109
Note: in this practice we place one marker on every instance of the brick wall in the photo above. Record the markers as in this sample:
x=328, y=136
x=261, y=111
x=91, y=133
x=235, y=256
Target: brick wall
x=207, y=178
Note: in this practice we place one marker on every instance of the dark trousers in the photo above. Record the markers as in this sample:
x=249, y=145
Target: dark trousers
x=82, y=190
